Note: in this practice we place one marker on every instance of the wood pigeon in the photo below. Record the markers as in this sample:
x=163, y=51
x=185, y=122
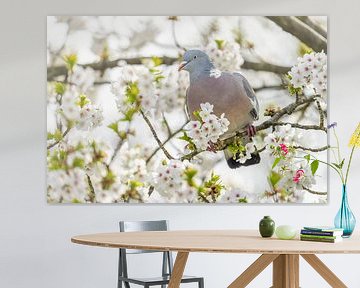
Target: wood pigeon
x=230, y=93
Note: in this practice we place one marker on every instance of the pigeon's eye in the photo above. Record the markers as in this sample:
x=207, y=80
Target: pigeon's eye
x=195, y=57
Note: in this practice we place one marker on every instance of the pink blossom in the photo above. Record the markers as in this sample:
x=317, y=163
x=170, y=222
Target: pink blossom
x=299, y=173
x=284, y=149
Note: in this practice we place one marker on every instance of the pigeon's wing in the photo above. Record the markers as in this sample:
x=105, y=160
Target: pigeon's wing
x=250, y=94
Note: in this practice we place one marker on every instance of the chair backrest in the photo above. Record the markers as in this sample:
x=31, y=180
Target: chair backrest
x=134, y=226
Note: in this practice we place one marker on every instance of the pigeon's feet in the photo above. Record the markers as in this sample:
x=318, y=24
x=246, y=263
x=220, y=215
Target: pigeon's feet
x=251, y=131
x=211, y=147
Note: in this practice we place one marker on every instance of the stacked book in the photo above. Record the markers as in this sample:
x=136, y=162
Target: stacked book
x=321, y=234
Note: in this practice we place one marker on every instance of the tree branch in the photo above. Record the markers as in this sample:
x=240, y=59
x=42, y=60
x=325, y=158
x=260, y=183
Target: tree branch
x=300, y=30
x=58, y=141
x=300, y=126
x=312, y=149
x=321, y=114
x=263, y=66
x=271, y=87
x=55, y=71
x=306, y=20
x=166, y=141
x=91, y=189
x=287, y=110
x=167, y=154
x=313, y=192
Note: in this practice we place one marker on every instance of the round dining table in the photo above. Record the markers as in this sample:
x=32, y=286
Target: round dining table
x=283, y=254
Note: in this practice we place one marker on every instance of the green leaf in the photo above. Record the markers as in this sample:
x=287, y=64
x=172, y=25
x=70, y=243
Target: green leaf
x=243, y=200
x=277, y=160
x=57, y=135
x=135, y=184
x=83, y=100
x=274, y=178
x=292, y=89
x=59, y=88
x=196, y=113
x=189, y=176
x=158, y=78
x=219, y=43
x=78, y=162
x=314, y=166
x=108, y=180
x=157, y=61
x=50, y=136
x=70, y=61
x=114, y=126
x=185, y=137
x=132, y=92
x=342, y=163
x=129, y=114
x=307, y=157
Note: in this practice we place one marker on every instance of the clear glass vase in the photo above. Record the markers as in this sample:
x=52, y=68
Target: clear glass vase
x=345, y=219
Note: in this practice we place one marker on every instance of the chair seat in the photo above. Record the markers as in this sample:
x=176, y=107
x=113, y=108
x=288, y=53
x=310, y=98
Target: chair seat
x=158, y=280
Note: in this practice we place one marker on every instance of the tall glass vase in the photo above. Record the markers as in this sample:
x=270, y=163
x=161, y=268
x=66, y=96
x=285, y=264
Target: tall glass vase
x=345, y=219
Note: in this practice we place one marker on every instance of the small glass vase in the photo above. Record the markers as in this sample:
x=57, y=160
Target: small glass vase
x=345, y=219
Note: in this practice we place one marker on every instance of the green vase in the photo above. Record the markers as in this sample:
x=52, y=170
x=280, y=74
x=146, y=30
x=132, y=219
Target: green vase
x=267, y=227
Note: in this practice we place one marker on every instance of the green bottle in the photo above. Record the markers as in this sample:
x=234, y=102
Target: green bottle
x=267, y=227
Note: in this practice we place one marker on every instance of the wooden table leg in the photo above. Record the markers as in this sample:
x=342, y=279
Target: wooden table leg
x=178, y=269
x=286, y=271
x=324, y=271
x=253, y=270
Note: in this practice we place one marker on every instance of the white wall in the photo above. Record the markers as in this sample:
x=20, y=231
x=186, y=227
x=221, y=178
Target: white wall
x=35, y=248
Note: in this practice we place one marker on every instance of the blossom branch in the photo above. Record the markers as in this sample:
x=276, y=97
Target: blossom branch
x=300, y=126
x=161, y=146
x=55, y=71
x=314, y=192
x=320, y=149
x=171, y=136
x=58, y=141
x=273, y=121
x=321, y=114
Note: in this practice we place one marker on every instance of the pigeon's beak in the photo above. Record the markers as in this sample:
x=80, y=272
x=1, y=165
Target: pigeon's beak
x=182, y=65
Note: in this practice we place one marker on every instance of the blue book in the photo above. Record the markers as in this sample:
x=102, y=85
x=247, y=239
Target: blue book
x=322, y=231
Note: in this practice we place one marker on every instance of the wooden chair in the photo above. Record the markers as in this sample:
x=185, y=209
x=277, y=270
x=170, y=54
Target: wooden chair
x=167, y=262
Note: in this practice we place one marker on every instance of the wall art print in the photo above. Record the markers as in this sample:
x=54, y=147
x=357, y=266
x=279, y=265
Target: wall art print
x=186, y=109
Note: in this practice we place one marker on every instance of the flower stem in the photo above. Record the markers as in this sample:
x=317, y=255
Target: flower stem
x=348, y=166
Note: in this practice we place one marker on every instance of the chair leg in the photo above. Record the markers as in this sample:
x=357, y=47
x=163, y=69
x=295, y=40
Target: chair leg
x=201, y=283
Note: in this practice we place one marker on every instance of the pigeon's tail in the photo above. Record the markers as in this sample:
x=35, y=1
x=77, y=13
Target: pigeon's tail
x=234, y=162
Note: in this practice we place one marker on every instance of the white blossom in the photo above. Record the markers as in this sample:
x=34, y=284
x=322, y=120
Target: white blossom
x=67, y=186
x=83, y=78
x=310, y=72
x=143, y=79
x=234, y=195
x=209, y=129
x=225, y=56
x=172, y=90
x=85, y=116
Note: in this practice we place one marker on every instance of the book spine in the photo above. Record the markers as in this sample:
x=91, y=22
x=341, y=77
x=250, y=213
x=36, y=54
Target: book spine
x=318, y=236
x=317, y=239
x=319, y=233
